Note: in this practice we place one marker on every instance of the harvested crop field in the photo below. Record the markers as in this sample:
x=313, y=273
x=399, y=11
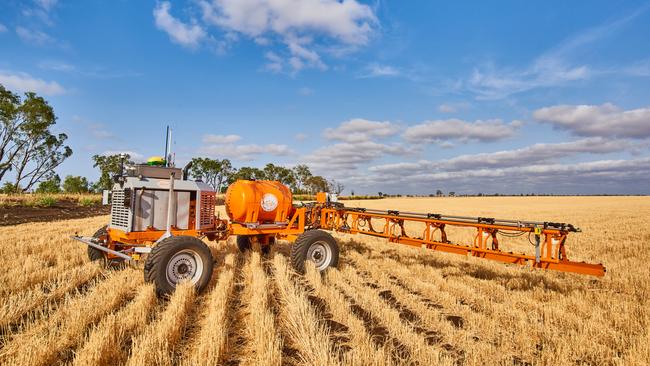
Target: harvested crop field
x=386, y=304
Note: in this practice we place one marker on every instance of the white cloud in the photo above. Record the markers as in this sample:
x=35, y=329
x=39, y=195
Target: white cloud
x=245, y=152
x=184, y=34
x=301, y=136
x=47, y=4
x=446, y=108
x=221, y=139
x=358, y=129
x=295, y=23
x=377, y=70
x=455, y=129
x=135, y=156
x=557, y=66
x=3, y=28
x=343, y=157
x=26, y=83
x=34, y=36
x=534, y=154
x=605, y=120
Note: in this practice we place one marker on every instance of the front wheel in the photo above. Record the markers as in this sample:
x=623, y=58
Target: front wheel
x=176, y=259
x=316, y=246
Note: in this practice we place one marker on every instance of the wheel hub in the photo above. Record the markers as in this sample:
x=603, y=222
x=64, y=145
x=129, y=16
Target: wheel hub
x=321, y=254
x=185, y=265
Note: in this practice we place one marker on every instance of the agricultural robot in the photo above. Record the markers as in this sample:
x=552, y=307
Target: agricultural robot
x=160, y=217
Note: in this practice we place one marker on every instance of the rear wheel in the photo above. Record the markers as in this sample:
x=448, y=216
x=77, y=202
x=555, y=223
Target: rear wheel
x=316, y=246
x=100, y=237
x=177, y=259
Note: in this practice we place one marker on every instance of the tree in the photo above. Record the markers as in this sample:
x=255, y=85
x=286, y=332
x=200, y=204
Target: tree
x=248, y=173
x=9, y=188
x=302, y=174
x=317, y=183
x=380, y=194
x=439, y=193
x=352, y=193
x=109, y=165
x=52, y=185
x=335, y=186
x=280, y=174
x=207, y=169
x=452, y=194
x=75, y=184
x=26, y=142
x=38, y=159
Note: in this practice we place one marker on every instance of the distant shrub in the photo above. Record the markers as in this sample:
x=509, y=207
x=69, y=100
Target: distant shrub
x=43, y=201
x=90, y=201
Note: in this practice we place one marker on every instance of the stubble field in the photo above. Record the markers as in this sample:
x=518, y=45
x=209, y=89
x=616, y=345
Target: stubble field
x=386, y=304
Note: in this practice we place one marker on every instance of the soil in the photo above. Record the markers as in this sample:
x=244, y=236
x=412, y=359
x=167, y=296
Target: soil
x=62, y=210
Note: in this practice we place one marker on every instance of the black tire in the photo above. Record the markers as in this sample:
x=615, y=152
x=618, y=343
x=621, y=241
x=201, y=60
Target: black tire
x=178, y=258
x=99, y=237
x=317, y=246
x=243, y=243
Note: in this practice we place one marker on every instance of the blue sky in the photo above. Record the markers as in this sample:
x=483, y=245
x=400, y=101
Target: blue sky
x=399, y=97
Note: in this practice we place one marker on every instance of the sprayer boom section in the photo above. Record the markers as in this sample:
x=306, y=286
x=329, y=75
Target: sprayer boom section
x=547, y=238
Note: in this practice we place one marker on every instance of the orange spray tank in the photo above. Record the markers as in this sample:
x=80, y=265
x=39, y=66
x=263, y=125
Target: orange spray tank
x=259, y=201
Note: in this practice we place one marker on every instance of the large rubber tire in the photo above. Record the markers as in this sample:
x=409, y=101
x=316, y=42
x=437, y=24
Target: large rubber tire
x=243, y=243
x=316, y=246
x=100, y=236
x=178, y=258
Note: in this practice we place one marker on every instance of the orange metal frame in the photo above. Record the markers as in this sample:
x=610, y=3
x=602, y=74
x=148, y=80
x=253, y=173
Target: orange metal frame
x=552, y=250
x=552, y=247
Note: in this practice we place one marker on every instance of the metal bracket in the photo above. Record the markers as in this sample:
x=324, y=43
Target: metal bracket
x=89, y=242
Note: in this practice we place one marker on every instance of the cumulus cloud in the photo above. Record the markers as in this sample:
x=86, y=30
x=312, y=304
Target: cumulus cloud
x=135, y=156
x=221, y=139
x=26, y=83
x=455, y=129
x=187, y=35
x=377, y=70
x=295, y=23
x=359, y=129
x=605, y=120
x=341, y=157
x=3, y=28
x=245, y=152
x=533, y=154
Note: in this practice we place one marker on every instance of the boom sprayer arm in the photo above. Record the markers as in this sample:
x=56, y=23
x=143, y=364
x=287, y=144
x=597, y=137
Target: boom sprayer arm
x=548, y=238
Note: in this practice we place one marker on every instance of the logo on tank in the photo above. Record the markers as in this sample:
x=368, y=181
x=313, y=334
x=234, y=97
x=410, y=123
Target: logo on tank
x=269, y=202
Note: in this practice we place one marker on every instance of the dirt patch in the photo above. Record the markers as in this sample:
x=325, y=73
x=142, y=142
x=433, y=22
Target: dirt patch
x=62, y=210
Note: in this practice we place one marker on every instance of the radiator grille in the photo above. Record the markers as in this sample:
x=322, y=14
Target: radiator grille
x=120, y=215
x=206, y=214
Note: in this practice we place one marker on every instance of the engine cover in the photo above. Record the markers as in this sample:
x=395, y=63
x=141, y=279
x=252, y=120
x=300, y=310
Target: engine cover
x=261, y=201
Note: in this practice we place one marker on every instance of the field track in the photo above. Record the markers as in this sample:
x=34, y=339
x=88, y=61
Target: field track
x=386, y=304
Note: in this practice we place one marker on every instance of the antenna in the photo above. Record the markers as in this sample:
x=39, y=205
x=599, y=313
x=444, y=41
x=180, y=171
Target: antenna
x=166, y=145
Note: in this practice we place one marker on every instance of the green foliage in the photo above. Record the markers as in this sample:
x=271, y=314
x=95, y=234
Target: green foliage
x=9, y=188
x=43, y=201
x=248, y=173
x=214, y=172
x=76, y=184
x=89, y=201
x=109, y=165
x=52, y=185
x=27, y=146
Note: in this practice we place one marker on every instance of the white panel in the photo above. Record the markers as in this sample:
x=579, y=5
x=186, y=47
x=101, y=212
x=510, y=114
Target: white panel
x=182, y=210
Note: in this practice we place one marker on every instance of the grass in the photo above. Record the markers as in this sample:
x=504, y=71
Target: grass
x=387, y=304
x=49, y=199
